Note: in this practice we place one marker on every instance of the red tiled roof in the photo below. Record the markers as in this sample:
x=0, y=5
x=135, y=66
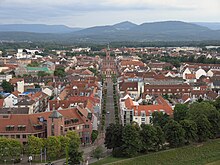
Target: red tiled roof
x=190, y=76
x=162, y=105
x=32, y=119
x=1, y=103
x=133, y=62
x=15, y=80
x=16, y=93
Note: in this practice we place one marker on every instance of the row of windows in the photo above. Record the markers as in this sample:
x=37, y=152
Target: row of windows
x=12, y=128
x=18, y=136
x=169, y=90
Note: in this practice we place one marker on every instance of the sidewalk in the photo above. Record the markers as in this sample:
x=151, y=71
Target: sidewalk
x=87, y=152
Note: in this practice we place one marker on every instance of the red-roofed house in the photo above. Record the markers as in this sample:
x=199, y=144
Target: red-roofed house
x=132, y=111
x=43, y=125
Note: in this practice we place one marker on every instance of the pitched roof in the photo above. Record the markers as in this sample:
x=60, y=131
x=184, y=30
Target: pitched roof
x=55, y=114
x=190, y=76
x=29, y=121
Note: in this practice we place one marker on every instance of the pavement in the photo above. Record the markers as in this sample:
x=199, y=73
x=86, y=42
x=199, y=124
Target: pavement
x=110, y=118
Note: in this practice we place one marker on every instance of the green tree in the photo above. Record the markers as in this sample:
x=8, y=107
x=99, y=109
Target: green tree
x=42, y=74
x=7, y=87
x=97, y=153
x=15, y=148
x=94, y=135
x=148, y=136
x=64, y=141
x=94, y=71
x=159, y=119
x=113, y=136
x=203, y=128
x=211, y=114
x=216, y=103
x=174, y=133
x=131, y=141
x=214, y=119
x=60, y=72
x=200, y=108
x=75, y=156
x=53, y=146
x=160, y=138
x=4, y=146
x=180, y=112
x=190, y=128
x=35, y=145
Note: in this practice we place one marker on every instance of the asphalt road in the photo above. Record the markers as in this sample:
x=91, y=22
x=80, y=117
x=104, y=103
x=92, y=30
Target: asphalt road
x=110, y=117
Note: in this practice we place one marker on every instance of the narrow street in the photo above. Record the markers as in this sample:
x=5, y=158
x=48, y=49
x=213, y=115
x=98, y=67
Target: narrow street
x=110, y=116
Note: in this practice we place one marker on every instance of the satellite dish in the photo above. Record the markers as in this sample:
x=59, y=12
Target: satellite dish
x=41, y=119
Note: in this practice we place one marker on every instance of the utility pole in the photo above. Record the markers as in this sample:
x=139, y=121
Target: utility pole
x=45, y=155
x=41, y=155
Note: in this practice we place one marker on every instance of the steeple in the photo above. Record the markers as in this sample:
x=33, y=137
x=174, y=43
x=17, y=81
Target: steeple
x=108, y=49
x=55, y=115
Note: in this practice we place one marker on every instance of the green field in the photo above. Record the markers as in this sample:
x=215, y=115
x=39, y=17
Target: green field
x=201, y=154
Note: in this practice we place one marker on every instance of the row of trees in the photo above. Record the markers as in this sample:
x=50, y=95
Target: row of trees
x=56, y=147
x=11, y=150
x=115, y=97
x=104, y=101
x=195, y=123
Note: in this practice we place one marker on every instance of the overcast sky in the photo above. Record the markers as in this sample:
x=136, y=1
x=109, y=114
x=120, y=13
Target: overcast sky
x=85, y=13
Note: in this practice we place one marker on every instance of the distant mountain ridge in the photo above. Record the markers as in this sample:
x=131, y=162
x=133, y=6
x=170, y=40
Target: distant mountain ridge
x=37, y=28
x=124, y=31
x=210, y=25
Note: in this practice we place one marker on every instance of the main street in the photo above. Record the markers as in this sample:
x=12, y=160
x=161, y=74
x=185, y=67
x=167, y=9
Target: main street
x=110, y=115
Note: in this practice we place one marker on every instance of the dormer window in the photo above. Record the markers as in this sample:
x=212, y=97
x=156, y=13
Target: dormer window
x=21, y=127
x=9, y=128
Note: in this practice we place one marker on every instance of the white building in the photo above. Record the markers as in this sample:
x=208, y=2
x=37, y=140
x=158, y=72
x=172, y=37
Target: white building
x=10, y=100
x=199, y=73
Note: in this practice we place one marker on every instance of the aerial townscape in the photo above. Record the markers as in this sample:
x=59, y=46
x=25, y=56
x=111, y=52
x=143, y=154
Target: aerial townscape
x=109, y=82
x=124, y=100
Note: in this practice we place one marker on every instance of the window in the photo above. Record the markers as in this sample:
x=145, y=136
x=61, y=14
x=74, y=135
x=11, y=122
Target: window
x=52, y=130
x=86, y=126
x=17, y=136
x=24, y=136
x=21, y=127
x=9, y=128
x=12, y=136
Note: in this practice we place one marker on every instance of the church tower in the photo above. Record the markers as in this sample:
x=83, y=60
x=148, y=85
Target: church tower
x=55, y=124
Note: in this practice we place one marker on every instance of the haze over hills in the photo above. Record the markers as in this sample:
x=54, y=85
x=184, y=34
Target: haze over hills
x=37, y=28
x=210, y=25
x=124, y=31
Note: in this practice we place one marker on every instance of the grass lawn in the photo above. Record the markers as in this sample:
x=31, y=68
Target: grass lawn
x=214, y=163
x=106, y=160
x=201, y=154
